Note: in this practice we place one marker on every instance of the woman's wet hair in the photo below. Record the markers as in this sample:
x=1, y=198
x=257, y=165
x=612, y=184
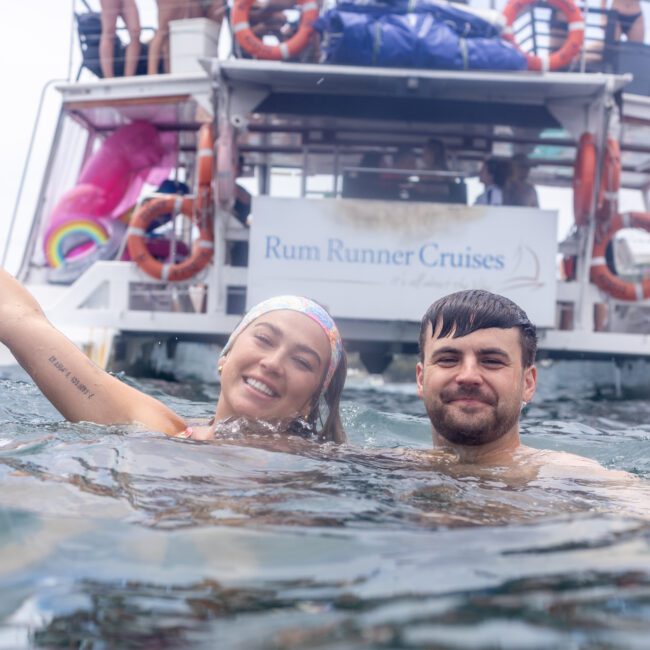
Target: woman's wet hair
x=464, y=312
x=331, y=428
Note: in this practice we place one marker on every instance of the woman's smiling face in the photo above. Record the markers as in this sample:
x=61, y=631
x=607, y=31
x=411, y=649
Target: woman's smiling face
x=275, y=368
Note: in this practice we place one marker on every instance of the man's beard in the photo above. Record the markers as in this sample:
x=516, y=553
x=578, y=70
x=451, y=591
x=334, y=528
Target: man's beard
x=461, y=426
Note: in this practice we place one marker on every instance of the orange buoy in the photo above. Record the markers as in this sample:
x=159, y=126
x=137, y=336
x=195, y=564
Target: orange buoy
x=584, y=175
x=204, y=168
x=571, y=46
x=202, y=248
x=600, y=273
x=610, y=182
x=257, y=48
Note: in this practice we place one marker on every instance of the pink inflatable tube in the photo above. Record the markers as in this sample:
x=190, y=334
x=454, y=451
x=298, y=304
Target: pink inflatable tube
x=109, y=185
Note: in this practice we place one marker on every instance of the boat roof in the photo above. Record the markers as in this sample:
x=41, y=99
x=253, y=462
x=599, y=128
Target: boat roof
x=524, y=87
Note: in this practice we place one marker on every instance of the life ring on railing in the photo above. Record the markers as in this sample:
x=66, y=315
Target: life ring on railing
x=204, y=167
x=610, y=182
x=570, y=48
x=584, y=175
x=584, y=178
x=256, y=47
x=205, y=155
x=202, y=248
x=602, y=276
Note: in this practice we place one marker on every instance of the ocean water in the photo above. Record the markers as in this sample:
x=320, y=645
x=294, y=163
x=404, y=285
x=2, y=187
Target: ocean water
x=119, y=538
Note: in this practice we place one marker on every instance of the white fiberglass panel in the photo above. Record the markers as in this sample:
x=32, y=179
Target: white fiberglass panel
x=388, y=260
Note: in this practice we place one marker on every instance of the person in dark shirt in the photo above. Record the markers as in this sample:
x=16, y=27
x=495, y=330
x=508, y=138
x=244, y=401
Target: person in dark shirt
x=444, y=187
x=363, y=182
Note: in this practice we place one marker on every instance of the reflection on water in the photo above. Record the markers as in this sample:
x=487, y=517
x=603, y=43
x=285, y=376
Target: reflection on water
x=115, y=537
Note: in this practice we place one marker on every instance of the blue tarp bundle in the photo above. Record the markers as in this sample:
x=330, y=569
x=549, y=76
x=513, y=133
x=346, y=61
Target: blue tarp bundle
x=415, y=34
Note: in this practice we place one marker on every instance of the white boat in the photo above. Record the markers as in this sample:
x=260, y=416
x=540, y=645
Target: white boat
x=301, y=130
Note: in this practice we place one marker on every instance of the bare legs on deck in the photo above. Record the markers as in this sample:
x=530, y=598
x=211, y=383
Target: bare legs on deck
x=111, y=11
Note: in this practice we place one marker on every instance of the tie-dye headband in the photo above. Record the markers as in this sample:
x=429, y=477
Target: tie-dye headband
x=303, y=306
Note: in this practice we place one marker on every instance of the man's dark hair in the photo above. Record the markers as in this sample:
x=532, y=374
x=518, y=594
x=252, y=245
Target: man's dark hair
x=464, y=312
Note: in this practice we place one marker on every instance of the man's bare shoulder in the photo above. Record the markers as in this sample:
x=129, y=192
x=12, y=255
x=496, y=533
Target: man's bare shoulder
x=563, y=464
x=522, y=465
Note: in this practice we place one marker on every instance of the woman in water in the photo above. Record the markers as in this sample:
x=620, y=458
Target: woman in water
x=280, y=363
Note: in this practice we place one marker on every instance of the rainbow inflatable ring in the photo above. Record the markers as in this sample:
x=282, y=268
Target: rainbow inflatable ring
x=77, y=234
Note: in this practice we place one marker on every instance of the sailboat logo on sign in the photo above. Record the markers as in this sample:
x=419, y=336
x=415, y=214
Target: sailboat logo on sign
x=526, y=272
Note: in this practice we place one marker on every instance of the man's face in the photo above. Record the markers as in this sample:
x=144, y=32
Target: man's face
x=473, y=386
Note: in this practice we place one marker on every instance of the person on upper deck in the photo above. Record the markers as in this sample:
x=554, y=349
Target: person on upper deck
x=518, y=189
x=270, y=18
x=629, y=20
x=412, y=179
x=363, y=183
x=493, y=174
x=283, y=359
x=443, y=187
x=169, y=10
x=111, y=11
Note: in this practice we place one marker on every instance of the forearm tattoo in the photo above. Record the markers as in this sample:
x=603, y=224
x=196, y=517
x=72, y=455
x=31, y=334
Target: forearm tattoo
x=75, y=381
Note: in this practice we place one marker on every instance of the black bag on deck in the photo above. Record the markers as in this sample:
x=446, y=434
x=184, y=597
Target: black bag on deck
x=89, y=28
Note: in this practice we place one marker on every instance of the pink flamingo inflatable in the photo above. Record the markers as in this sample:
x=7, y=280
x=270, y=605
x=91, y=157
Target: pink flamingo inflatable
x=109, y=185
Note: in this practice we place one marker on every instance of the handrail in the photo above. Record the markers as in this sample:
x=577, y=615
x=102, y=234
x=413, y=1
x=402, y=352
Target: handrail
x=72, y=41
x=23, y=176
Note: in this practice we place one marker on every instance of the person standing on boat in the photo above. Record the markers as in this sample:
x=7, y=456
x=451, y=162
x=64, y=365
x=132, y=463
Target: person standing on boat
x=629, y=20
x=169, y=10
x=281, y=364
x=518, y=189
x=442, y=187
x=111, y=11
x=363, y=183
x=493, y=174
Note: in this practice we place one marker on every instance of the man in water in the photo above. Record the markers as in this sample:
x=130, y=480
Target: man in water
x=476, y=373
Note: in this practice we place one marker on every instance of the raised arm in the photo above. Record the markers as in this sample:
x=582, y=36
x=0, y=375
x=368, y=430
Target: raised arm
x=77, y=387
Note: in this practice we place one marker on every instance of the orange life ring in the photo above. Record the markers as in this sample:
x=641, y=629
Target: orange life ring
x=610, y=182
x=256, y=47
x=570, y=48
x=600, y=273
x=226, y=169
x=204, y=167
x=584, y=174
x=202, y=248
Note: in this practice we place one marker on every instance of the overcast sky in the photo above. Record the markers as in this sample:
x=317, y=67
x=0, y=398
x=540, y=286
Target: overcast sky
x=34, y=48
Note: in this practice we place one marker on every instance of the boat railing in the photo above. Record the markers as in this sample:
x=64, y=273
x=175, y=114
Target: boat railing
x=87, y=28
x=541, y=30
